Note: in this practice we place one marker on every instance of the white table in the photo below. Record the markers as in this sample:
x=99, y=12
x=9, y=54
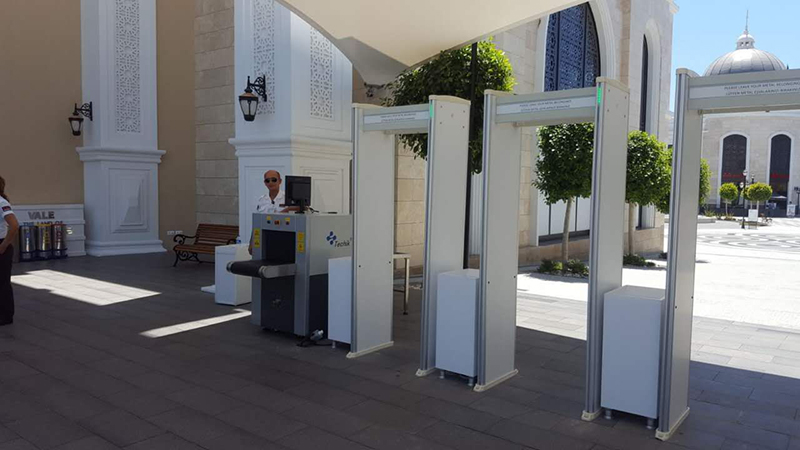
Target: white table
x=231, y=289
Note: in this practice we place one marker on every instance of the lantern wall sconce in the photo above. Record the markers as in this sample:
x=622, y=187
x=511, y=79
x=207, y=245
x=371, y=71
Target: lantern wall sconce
x=249, y=101
x=76, y=121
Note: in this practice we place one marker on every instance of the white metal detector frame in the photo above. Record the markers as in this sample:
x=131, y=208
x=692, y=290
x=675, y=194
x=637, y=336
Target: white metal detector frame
x=695, y=97
x=445, y=120
x=607, y=105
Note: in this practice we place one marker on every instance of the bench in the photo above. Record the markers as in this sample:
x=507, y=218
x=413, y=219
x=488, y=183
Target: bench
x=206, y=239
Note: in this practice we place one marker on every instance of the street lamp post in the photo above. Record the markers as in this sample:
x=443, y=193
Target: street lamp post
x=743, y=186
x=741, y=190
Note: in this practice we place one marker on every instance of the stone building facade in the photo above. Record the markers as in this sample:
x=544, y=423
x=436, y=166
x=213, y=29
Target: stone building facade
x=191, y=158
x=747, y=147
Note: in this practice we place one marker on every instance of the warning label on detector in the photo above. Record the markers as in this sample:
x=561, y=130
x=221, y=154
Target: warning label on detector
x=546, y=105
x=746, y=89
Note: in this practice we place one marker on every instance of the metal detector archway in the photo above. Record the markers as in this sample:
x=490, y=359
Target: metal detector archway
x=445, y=120
x=696, y=97
x=607, y=105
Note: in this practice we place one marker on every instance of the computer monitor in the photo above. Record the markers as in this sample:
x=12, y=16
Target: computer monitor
x=298, y=191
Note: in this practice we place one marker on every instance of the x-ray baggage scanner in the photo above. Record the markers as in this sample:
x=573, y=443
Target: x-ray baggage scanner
x=504, y=115
x=445, y=120
x=290, y=268
x=695, y=97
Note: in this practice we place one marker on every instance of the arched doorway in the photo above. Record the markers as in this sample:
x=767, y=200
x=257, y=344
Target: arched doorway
x=779, y=169
x=734, y=160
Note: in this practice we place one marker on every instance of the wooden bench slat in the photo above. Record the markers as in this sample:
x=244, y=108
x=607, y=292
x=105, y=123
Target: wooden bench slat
x=206, y=239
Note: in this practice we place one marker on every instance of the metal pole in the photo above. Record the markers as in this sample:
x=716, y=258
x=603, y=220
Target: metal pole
x=473, y=65
x=405, y=291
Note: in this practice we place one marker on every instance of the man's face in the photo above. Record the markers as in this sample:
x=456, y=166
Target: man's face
x=272, y=180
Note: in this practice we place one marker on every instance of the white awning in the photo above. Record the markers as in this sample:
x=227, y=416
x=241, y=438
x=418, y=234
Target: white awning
x=384, y=37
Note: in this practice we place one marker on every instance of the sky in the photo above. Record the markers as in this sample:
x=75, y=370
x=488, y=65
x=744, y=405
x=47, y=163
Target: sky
x=707, y=29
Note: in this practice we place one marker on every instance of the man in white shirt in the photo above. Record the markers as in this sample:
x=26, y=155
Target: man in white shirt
x=271, y=202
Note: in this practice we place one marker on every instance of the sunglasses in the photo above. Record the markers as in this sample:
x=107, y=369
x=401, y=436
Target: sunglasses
x=270, y=180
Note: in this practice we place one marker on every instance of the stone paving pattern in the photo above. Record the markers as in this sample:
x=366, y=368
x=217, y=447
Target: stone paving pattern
x=76, y=373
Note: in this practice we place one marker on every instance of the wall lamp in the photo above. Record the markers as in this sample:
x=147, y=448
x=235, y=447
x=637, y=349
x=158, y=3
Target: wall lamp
x=76, y=121
x=249, y=101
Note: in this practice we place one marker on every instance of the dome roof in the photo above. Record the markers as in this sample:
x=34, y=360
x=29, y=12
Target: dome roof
x=746, y=58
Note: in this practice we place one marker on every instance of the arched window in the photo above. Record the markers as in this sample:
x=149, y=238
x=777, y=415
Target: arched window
x=572, y=57
x=572, y=61
x=779, y=164
x=645, y=87
x=734, y=159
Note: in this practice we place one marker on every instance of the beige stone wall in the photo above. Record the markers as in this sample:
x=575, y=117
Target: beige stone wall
x=519, y=45
x=40, y=75
x=175, y=65
x=217, y=176
x=759, y=129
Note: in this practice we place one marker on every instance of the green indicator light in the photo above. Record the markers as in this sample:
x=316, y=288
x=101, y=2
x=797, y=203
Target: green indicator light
x=599, y=96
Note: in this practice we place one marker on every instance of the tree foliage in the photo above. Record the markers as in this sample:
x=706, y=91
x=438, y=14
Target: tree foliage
x=564, y=167
x=648, y=176
x=705, y=181
x=728, y=192
x=758, y=192
x=649, y=171
x=449, y=73
x=705, y=185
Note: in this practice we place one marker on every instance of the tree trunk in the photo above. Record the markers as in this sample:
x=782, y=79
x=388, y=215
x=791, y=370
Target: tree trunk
x=631, y=226
x=565, y=235
x=726, y=209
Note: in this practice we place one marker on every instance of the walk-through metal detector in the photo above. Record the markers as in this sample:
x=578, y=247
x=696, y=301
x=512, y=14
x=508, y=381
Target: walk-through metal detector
x=445, y=120
x=607, y=105
x=697, y=96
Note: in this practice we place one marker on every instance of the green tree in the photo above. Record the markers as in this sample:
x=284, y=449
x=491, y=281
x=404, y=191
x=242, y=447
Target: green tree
x=728, y=192
x=758, y=192
x=564, y=168
x=705, y=185
x=648, y=178
x=705, y=180
x=449, y=74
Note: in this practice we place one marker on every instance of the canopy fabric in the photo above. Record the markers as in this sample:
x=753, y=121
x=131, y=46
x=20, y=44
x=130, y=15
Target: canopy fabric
x=382, y=38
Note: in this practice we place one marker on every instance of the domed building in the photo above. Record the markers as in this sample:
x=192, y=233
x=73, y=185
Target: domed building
x=752, y=146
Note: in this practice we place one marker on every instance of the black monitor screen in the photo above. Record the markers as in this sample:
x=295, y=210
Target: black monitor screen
x=298, y=191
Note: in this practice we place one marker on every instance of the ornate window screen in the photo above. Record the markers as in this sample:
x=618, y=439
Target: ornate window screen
x=321, y=106
x=264, y=50
x=127, y=53
x=572, y=57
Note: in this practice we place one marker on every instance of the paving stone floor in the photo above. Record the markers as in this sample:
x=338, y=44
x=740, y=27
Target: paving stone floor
x=95, y=361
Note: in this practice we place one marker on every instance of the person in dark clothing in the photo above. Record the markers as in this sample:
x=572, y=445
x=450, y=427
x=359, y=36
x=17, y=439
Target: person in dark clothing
x=8, y=232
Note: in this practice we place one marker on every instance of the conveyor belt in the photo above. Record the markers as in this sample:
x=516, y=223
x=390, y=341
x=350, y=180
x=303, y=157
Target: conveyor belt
x=261, y=269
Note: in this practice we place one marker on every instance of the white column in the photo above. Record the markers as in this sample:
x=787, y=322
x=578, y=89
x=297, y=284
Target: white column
x=120, y=152
x=304, y=127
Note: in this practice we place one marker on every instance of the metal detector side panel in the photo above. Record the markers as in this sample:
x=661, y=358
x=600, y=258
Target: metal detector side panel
x=373, y=236
x=676, y=335
x=444, y=217
x=609, y=170
x=756, y=91
x=497, y=302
